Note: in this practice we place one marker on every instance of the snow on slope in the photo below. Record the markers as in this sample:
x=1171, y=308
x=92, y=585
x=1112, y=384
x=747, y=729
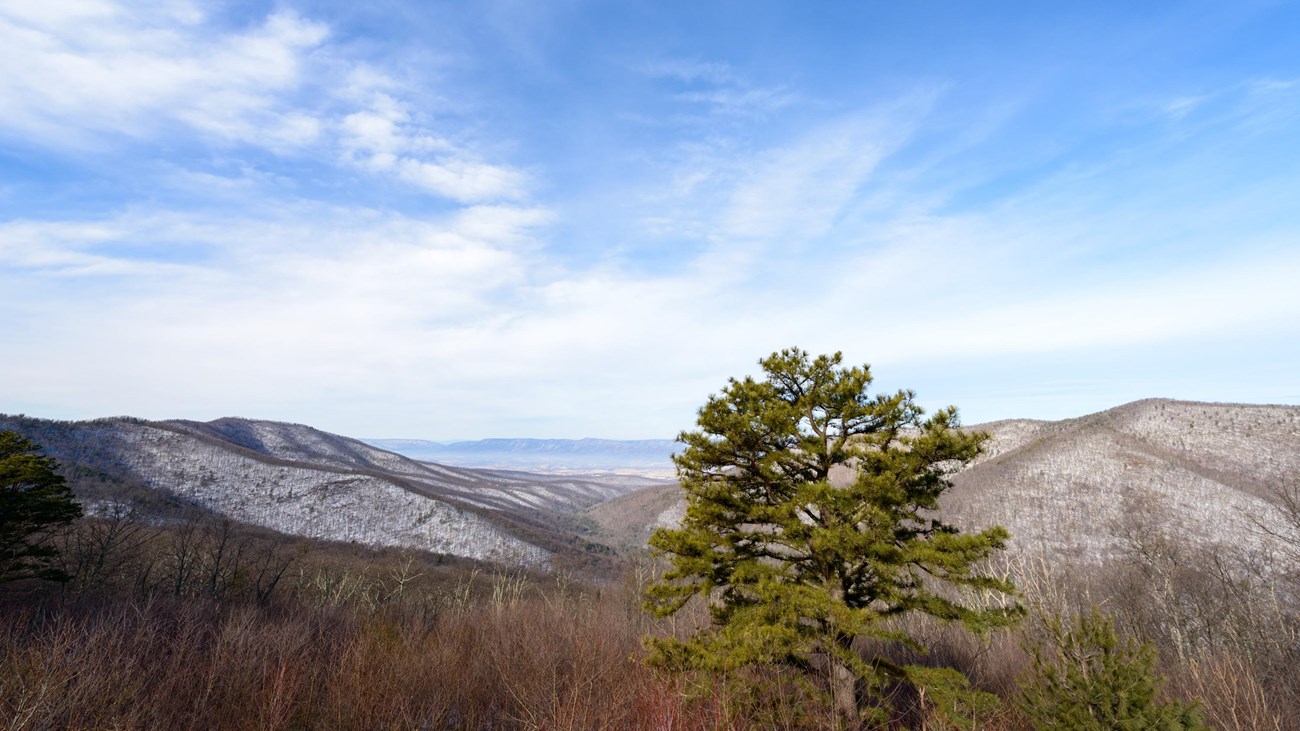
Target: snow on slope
x=1074, y=489
x=322, y=499
x=1009, y=435
x=297, y=442
x=1254, y=447
x=311, y=502
x=1203, y=472
x=1074, y=496
x=493, y=489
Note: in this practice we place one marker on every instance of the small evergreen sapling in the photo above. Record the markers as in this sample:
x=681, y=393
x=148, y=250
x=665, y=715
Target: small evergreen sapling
x=1087, y=679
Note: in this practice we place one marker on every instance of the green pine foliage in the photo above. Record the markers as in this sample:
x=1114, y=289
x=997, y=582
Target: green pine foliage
x=950, y=702
x=34, y=500
x=1087, y=679
x=811, y=521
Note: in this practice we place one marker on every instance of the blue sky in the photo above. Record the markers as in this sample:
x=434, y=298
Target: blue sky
x=578, y=218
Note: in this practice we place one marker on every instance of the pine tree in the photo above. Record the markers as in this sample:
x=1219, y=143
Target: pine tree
x=811, y=521
x=34, y=500
x=1086, y=679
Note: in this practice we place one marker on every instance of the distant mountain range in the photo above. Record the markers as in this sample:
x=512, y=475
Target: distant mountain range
x=1076, y=490
x=649, y=457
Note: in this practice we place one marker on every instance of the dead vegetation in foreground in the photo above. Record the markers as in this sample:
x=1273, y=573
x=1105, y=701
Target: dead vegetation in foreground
x=182, y=629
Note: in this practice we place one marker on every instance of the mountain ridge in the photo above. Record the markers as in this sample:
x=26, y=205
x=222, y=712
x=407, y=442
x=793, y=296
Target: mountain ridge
x=1080, y=487
x=1077, y=487
x=300, y=480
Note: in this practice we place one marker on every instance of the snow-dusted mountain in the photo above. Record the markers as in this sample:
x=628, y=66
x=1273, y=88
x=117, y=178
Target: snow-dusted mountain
x=1206, y=473
x=303, y=481
x=1074, y=489
x=1079, y=489
x=645, y=457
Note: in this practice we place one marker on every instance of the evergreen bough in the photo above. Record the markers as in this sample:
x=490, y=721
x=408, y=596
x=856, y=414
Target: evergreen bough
x=811, y=522
x=34, y=501
x=1087, y=679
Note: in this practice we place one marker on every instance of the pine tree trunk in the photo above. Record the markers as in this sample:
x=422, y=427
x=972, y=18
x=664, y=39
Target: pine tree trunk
x=844, y=691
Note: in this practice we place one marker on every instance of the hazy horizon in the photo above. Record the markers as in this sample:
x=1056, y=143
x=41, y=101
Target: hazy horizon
x=452, y=441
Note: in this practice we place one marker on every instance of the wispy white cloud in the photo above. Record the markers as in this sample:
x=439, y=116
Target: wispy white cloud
x=467, y=315
x=1248, y=292
x=690, y=71
x=1250, y=106
x=383, y=138
x=782, y=202
x=75, y=75
x=716, y=87
x=738, y=102
x=796, y=193
x=341, y=297
x=1183, y=105
x=85, y=77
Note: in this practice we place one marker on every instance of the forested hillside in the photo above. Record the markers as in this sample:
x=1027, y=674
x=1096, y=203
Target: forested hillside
x=1082, y=489
x=302, y=481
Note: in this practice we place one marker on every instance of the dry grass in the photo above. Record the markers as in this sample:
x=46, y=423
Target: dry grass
x=535, y=663
x=358, y=640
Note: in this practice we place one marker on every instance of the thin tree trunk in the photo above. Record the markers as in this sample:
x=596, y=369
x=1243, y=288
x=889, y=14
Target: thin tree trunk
x=843, y=681
x=844, y=691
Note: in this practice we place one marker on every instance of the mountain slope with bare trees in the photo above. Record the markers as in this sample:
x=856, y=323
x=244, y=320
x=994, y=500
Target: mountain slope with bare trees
x=302, y=481
x=1083, y=489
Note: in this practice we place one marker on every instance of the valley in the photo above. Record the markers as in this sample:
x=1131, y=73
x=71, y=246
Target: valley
x=301, y=481
x=1079, y=489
